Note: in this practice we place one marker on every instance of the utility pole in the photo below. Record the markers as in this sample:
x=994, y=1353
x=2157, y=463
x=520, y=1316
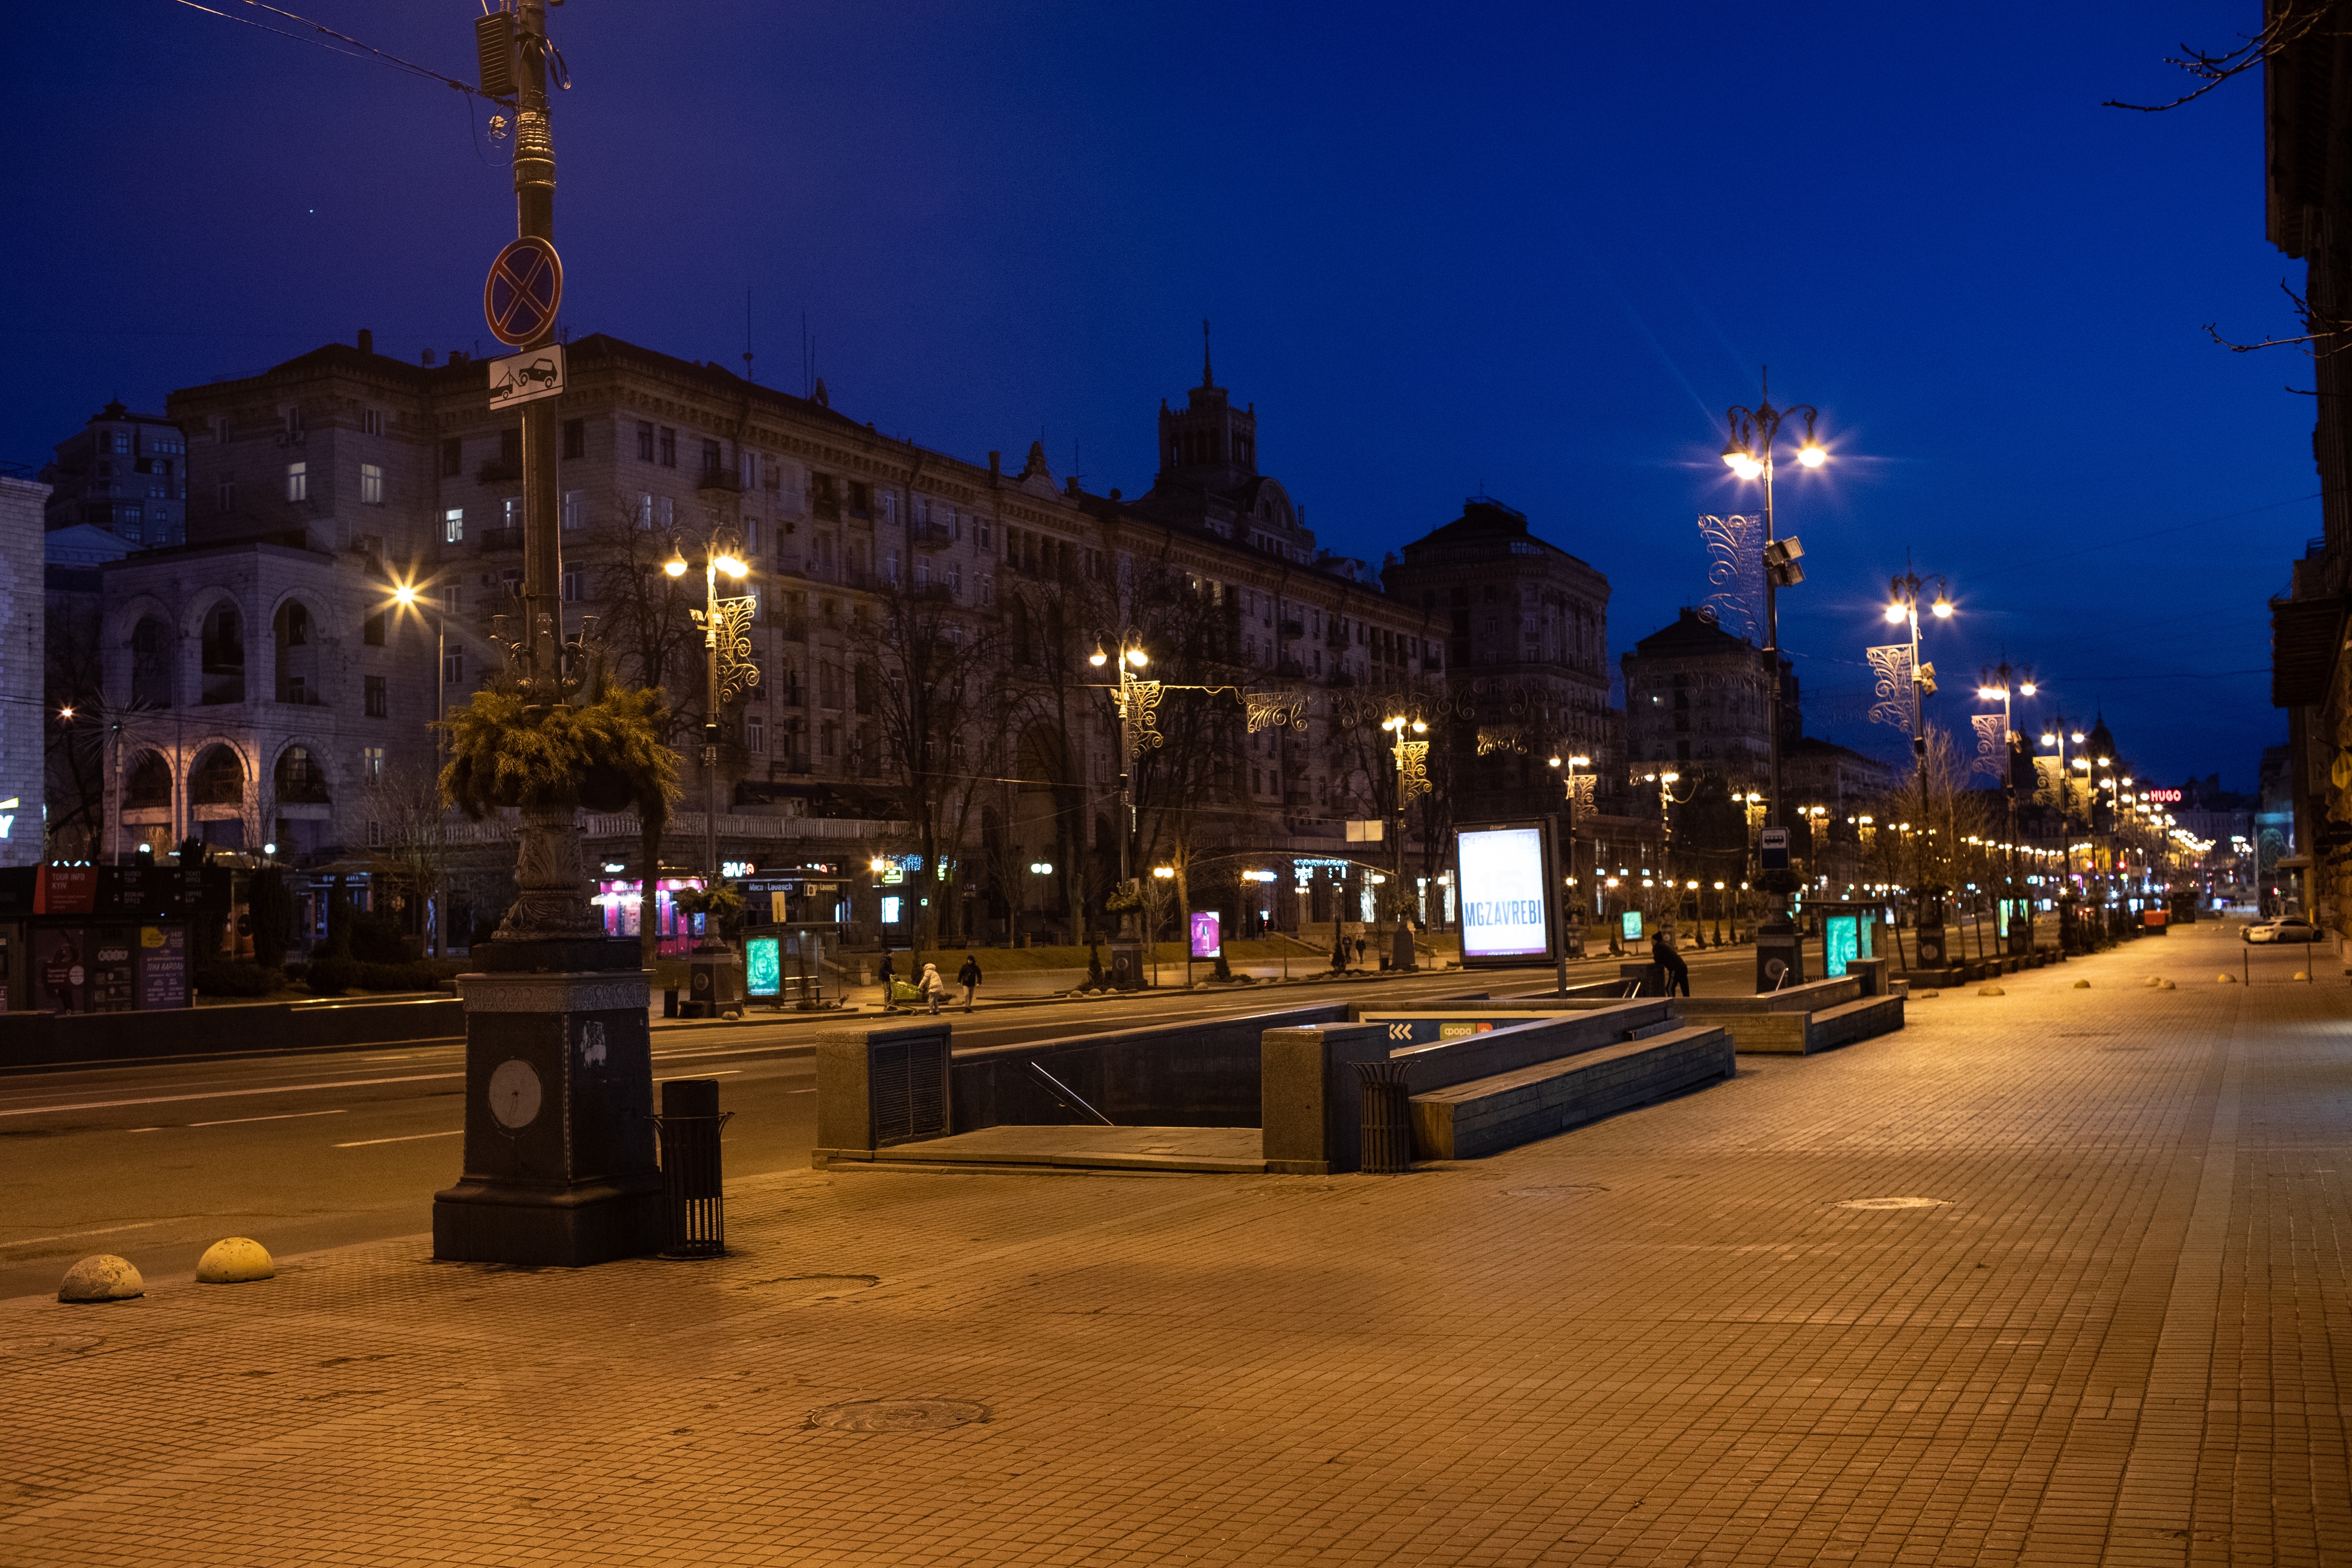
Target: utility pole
x=534, y=184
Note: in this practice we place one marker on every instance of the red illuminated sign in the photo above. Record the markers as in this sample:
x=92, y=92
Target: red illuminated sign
x=2165, y=797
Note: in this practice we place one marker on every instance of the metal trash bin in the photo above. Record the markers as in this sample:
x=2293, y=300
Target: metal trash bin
x=694, y=1204
x=1385, y=1127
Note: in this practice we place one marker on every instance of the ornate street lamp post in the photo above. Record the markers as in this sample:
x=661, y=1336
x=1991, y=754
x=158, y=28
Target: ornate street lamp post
x=1137, y=701
x=1412, y=757
x=1999, y=685
x=727, y=671
x=1902, y=609
x=1755, y=436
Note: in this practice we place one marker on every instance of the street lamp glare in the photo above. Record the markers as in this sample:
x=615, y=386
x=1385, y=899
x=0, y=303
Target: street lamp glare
x=2078, y=738
x=1098, y=658
x=1895, y=613
x=1943, y=609
x=1420, y=726
x=1990, y=693
x=403, y=594
x=1137, y=657
x=1552, y=763
x=1579, y=762
x=1734, y=454
x=675, y=566
x=730, y=565
x=1811, y=457
x=2049, y=740
x=2025, y=689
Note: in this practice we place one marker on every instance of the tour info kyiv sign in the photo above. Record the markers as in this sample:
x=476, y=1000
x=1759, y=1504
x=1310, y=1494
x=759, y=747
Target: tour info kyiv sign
x=1501, y=875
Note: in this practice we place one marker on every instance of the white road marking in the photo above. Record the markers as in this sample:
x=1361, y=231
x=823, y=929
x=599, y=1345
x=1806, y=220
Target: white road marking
x=226, y=1093
x=76, y=1235
x=281, y=1116
x=412, y=1137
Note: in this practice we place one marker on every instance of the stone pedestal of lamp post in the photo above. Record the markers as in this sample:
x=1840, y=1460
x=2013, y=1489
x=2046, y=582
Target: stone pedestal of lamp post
x=559, y=1158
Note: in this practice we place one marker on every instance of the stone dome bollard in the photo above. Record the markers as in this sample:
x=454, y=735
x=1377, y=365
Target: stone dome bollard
x=104, y=1278
x=234, y=1261
x=2225, y=979
x=1990, y=991
x=2166, y=985
x=2081, y=984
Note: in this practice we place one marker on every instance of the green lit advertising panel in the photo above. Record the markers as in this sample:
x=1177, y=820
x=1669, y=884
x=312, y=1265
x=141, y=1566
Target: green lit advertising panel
x=763, y=967
x=1841, y=943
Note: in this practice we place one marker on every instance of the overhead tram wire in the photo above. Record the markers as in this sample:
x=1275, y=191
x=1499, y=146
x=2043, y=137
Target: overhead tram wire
x=2038, y=562
x=359, y=50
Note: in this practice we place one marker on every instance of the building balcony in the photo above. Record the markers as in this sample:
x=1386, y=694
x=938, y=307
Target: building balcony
x=1293, y=629
x=930, y=536
x=498, y=471
x=499, y=541
x=720, y=481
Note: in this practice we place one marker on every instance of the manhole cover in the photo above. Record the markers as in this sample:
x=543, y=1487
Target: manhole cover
x=898, y=1415
x=1570, y=1191
x=1893, y=1203
x=48, y=1345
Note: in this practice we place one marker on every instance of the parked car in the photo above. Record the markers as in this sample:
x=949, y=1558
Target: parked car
x=2286, y=928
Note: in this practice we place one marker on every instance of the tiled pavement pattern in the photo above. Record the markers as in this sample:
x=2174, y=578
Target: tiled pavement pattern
x=2119, y=1331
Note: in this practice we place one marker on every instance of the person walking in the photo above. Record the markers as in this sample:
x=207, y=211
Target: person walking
x=969, y=978
x=1678, y=973
x=931, y=986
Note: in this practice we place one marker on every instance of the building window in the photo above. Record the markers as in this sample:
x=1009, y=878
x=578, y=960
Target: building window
x=224, y=496
x=988, y=588
x=370, y=422
x=453, y=524
x=645, y=510
x=575, y=438
x=861, y=498
x=575, y=508
x=668, y=447
x=668, y=513
x=510, y=512
x=371, y=485
x=453, y=458
x=375, y=834
x=291, y=413
x=453, y=667
x=371, y=629
x=755, y=735
x=220, y=429
x=710, y=458
x=453, y=598
x=571, y=587
x=510, y=582
x=986, y=533
x=298, y=481
x=371, y=761
x=379, y=701
x=645, y=442
x=955, y=578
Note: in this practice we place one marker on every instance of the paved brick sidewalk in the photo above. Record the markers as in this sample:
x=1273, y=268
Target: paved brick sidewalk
x=2118, y=1329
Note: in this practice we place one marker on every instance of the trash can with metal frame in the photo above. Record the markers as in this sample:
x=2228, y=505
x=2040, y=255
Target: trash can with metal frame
x=694, y=1203
x=1384, y=1126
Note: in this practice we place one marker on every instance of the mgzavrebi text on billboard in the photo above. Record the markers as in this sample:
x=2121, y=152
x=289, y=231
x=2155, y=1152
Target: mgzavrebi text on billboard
x=1504, y=911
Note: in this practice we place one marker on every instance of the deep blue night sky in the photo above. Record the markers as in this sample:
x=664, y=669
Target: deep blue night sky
x=1538, y=248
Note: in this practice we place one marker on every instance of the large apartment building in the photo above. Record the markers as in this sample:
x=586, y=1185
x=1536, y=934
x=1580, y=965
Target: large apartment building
x=276, y=683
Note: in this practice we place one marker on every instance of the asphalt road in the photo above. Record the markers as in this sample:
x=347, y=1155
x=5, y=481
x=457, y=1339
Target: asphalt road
x=157, y=1160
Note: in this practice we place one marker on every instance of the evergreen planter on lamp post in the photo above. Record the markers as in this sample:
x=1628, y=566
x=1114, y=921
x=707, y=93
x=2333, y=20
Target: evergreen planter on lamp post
x=558, y=1155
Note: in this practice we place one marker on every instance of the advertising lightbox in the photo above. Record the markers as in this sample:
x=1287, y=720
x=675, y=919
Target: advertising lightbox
x=1503, y=875
x=1208, y=941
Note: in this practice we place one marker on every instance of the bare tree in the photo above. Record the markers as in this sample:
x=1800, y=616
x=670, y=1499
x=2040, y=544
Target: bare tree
x=74, y=727
x=408, y=842
x=647, y=630
x=928, y=686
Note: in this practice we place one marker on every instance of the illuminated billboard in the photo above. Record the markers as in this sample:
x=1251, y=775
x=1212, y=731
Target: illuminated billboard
x=1207, y=940
x=1503, y=875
